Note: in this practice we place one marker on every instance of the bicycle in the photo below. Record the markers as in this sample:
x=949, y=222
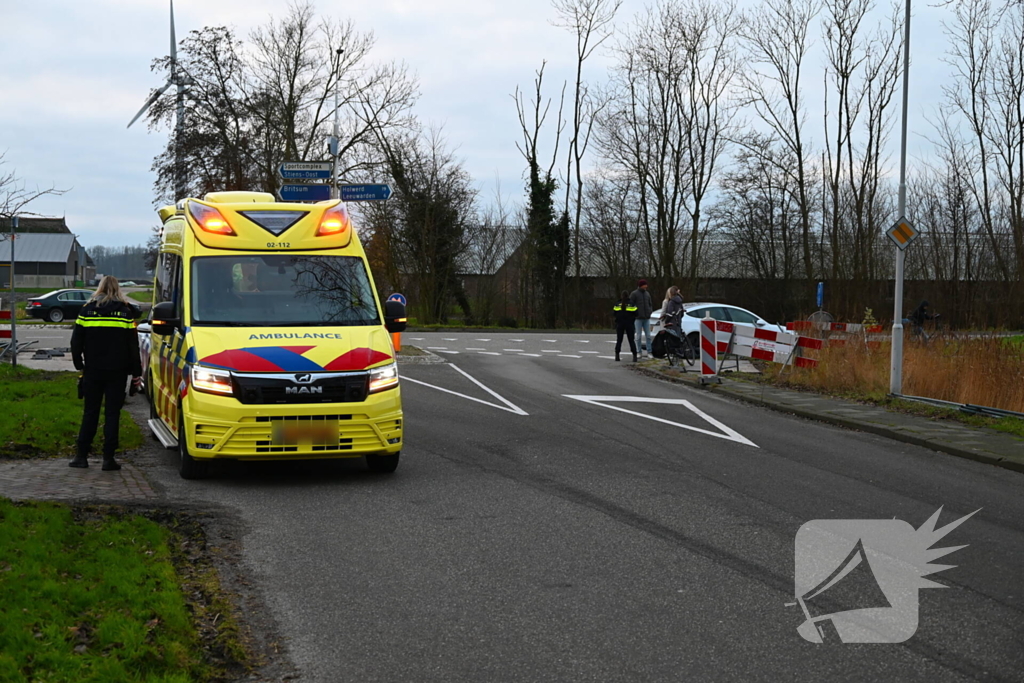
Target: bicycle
x=678, y=346
x=918, y=333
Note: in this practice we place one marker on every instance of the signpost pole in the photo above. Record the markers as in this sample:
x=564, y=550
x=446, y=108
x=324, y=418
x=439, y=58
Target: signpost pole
x=14, y=305
x=337, y=133
x=896, y=361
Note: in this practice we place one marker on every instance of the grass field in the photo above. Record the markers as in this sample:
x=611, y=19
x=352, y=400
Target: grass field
x=92, y=598
x=40, y=415
x=145, y=297
x=986, y=371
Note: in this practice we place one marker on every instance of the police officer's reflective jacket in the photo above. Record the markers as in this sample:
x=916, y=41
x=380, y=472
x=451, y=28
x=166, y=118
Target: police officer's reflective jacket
x=625, y=314
x=106, y=337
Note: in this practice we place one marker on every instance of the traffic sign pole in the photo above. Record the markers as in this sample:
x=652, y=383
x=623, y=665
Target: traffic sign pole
x=14, y=305
x=896, y=360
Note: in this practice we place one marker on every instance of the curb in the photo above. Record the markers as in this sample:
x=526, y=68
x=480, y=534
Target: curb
x=857, y=425
x=427, y=358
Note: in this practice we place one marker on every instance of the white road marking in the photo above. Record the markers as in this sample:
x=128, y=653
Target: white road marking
x=476, y=348
x=608, y=341
x=531, y=355
x=608, y=357
x=437, y=348
x=481, y=340
x=549, y=351
x=726, y=433
x=549, y=341
x=588, y=352
x=509, y=406
x=488, y=353
x=516, y=340
x=452, y=339
x=582, y=341
x=450, y=353
x=512, y=350
x=568, y=355
x=416, y=338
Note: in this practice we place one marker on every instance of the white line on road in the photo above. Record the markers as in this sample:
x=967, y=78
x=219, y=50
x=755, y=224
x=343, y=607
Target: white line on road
x=588, y=352
x=582, y=341
x=516, y=340
x=512, y=350
x=416, y=338
x=608, y=357
x=511, y=407
x=481, y=340
x=437, y=348
x=549, y=341
x=568, y=355
x=475, y=348
x=447, y=339
x=549, y=351
x=451, y=353
x=488, y=353
x=531, y=355
x=727, y=433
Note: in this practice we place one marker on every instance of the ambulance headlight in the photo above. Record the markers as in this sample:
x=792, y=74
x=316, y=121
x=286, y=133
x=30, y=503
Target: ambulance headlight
x=384, y=377
x=211, y=380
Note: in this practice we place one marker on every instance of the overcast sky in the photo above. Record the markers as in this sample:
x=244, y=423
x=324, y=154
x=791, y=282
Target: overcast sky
x=72, y=74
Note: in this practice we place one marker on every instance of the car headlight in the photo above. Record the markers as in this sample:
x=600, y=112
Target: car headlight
x=211, y=380
x=384, y=377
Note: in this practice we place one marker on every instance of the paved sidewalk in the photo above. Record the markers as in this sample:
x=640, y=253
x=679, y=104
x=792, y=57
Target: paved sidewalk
x=947, y=436
x=52, y=479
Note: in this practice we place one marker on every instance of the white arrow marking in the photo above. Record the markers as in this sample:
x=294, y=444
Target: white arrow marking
x=511, y=407
x=727, y=433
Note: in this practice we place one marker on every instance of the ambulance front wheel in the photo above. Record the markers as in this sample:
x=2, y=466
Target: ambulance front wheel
x=385, y=464
x=189, y=468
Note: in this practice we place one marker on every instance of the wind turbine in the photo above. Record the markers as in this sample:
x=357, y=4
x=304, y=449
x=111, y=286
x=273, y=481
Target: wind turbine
x=180, y=79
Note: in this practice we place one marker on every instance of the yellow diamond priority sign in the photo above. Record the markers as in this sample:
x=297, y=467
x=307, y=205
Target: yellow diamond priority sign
x=903, y=233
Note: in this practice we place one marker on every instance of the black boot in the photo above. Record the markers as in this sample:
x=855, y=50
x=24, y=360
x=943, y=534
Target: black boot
x=616, y=356
x=634, y=357
x=110, y=464
x=79, y=460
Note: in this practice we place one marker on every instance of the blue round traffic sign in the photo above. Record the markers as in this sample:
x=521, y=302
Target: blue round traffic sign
x=400, y=298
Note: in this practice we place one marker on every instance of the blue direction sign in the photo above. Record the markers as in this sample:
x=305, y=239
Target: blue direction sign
x=304, y=175
x=365, y=193
x=400, y=298
x=305, y=170
x=304, y=193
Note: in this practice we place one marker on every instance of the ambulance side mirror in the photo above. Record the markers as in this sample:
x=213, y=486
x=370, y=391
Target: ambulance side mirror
x=164, y=322
x=394, y=316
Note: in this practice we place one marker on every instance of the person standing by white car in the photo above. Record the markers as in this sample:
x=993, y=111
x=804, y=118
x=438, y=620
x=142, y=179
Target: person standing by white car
x=641, y=299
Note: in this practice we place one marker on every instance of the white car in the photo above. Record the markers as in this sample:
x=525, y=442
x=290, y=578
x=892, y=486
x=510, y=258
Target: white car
x=696, y=311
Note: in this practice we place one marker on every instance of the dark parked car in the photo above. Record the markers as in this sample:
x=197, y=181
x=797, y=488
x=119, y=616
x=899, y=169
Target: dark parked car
x=61, y=304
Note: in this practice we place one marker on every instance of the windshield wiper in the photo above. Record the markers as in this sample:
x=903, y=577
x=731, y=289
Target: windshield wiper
x=337, y=323
x=223, y=323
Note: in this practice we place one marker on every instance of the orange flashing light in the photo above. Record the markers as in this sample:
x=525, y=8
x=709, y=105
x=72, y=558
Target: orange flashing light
x=210, y=219
x=334, y=222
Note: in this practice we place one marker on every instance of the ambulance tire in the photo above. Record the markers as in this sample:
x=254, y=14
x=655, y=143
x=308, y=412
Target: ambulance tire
x=189, y=468
x=383, y=464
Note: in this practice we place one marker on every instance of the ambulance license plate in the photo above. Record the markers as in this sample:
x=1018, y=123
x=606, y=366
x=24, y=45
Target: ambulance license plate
x=295, y=433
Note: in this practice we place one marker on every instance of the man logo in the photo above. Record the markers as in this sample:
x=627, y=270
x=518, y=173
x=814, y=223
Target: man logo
x=303, y=378
x=857, y=579
x=303, y=390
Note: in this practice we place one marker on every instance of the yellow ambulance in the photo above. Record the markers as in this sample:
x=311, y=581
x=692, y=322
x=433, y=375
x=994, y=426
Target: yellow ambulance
x=268, y=339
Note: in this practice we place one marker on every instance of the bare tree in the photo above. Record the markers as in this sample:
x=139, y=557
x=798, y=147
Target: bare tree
x=16, y=195
x=590, y=22
x=777, y=39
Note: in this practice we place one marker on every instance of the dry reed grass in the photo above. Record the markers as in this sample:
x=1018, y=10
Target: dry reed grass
x=984, y=371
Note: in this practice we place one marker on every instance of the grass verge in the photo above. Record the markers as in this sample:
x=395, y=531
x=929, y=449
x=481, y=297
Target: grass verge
x=96, y=593
x=145, y=297
x=40, y=414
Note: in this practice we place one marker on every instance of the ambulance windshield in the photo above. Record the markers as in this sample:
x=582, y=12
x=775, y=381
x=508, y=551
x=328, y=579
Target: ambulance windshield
x=277, y=290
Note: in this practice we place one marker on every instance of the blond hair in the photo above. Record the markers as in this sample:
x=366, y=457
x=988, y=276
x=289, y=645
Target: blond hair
x=109, y=290
x=672, y=291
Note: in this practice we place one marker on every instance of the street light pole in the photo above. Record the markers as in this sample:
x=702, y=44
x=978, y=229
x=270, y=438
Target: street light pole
x=14, y=304
x=896, y=361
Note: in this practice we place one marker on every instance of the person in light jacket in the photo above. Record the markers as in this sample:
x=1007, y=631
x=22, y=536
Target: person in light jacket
x=105, y=348
x=672, y=306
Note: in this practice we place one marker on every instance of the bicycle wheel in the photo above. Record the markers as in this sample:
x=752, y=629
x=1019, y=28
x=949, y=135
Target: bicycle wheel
x=689, y=353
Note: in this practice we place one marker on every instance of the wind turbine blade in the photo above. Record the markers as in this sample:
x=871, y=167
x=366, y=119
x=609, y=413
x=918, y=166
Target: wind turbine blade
x=174, y=41
x=152, y=98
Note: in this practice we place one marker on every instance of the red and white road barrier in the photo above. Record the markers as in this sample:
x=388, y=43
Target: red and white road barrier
x=830, y=330
x=748, y=341
x=708, y=351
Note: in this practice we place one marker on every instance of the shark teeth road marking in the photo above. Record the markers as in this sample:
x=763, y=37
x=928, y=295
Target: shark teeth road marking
x=509, y=406
x=727, y=433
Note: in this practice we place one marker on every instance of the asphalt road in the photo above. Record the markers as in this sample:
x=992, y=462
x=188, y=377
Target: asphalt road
x=541, y=527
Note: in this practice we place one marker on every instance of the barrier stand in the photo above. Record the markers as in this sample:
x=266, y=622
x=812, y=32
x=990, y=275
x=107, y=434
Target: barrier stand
x=708, y=352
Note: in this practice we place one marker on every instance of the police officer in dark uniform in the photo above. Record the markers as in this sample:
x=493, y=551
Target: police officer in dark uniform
x=105, y=348
x=625, y=313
